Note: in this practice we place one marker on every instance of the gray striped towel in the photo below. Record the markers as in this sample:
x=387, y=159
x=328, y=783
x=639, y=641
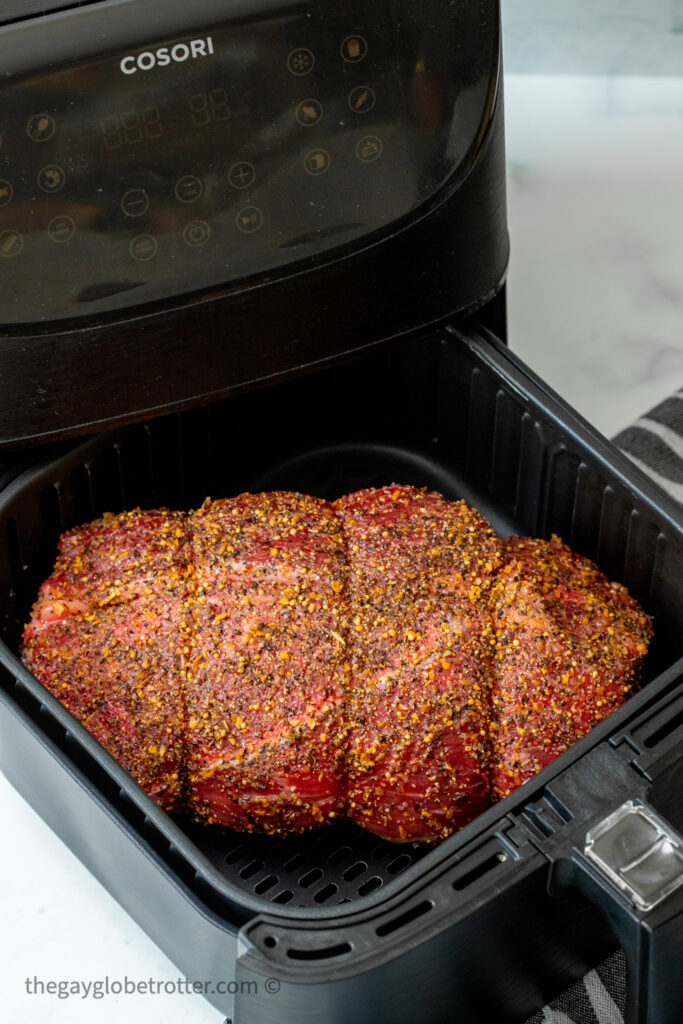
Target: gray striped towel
x=655, y=444
x=599, y=998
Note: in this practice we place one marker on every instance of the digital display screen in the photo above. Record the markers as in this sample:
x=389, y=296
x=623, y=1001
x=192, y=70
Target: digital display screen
x=207, y=159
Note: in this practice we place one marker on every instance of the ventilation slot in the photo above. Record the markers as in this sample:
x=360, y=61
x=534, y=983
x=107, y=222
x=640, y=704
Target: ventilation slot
x=398, y=864
x=355, y=870
x=389, y=927
x=326, y=953
x=234, y=855
x=339, y=856
x=371, y=885
x=310, y=877
x=476, y=873
x=251, y=869
x=286, y=896
x=294, y=862
x=326, y=893
x=265, y=884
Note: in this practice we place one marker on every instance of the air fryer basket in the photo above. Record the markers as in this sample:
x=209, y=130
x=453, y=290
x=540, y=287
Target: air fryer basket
x=338, y=915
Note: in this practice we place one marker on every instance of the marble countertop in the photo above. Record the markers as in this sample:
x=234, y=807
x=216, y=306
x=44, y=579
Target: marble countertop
x=595, y=286
x=595, y=307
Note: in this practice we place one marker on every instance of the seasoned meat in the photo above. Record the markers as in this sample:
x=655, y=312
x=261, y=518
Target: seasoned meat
x=273, y=662
x=419, y=702
x=106, y=637
x=267, y=679
x=568, y=649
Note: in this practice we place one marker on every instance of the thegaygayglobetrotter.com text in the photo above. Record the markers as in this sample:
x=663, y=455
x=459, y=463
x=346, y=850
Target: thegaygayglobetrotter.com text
x=106, y=987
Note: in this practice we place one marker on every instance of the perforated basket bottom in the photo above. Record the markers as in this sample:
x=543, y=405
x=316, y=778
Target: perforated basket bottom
x=332, y=865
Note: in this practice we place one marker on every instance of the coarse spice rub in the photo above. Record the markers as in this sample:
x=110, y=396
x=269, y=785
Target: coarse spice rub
x=108, y=637
x=568, y=649
x=272, y=662
x=419, y=702
x=266, y=722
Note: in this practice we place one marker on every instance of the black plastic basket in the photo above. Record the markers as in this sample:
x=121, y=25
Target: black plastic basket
x=349, y=926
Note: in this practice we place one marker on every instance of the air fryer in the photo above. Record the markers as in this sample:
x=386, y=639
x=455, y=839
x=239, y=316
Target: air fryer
x=312, y=300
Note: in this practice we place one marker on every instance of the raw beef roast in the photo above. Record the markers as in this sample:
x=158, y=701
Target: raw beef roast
x=272, y=661
x=266, y=679
x=107, y=637
x=568, y=647
x=418, y=704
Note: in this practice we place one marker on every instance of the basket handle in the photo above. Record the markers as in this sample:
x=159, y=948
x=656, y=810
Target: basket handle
x=631, y=869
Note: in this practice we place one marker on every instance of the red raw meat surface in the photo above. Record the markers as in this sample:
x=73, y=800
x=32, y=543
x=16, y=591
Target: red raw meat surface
x=568, y=650
x=266, y=685
x=273, y=662
x=419, y=700
x=106, y=638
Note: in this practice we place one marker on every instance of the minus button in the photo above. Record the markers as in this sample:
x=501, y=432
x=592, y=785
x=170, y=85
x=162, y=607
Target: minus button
x=135, y=202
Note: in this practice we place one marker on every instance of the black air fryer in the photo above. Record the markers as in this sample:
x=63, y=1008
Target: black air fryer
x=263, y=246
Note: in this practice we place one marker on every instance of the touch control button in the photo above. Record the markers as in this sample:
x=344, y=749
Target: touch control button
x=317, y=161
x=52, y=178
x=135, y=202
x=188, y=188
x=354, y=49
x=143, y=247
x=196, y=233
x=249, y=219
x=369, y=149
x=300, y=61
x=11, y=243
x=6, y=192
x=241, y=174
x=40, y=127
x=309, y=112
x=361, y=99
x=61, y=229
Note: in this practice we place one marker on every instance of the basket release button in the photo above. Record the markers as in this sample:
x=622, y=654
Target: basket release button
x=639, y=852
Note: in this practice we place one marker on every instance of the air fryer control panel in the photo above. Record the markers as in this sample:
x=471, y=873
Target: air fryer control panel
x=202, y=197
x=232, y=148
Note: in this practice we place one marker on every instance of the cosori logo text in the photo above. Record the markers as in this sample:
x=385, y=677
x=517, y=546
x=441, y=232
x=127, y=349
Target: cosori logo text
x=174, y=53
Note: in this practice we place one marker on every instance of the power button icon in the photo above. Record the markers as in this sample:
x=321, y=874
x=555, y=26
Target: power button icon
x=196, y=233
